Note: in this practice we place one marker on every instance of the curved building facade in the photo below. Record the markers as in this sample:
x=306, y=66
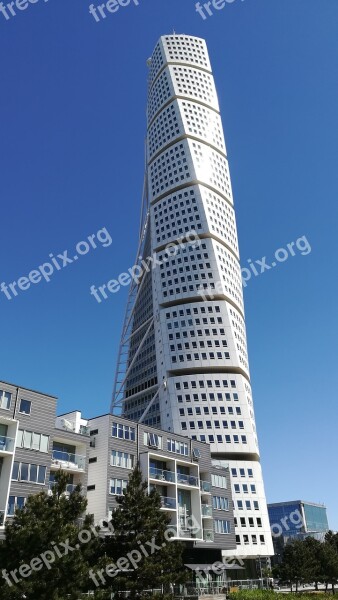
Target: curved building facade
x=184, y=338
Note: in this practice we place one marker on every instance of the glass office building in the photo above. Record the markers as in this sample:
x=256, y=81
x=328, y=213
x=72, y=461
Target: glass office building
x=297, y=519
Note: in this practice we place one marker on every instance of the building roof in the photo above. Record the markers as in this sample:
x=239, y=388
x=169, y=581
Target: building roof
x=275, y=504
x=23, y=387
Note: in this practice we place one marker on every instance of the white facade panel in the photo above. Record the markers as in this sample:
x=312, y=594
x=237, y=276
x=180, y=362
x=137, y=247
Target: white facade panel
x=200, y=371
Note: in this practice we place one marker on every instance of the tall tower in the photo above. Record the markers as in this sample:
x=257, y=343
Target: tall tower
x=183, y=363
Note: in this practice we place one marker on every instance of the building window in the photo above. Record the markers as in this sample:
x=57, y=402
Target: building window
x=178, y=447
x=122, y=459
x=14, y=503
x=5, y=400
x=25, y=407
x=123, y=432
x=153, y=440
x=220, y=503
x=117, y=487
x=92, y=460
x=29, y=473
x=90, y=488
x=222, y=526
x=219, y=481
x=32, y=441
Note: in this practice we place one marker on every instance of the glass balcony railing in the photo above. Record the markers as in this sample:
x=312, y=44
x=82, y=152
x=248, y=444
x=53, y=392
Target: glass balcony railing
x=187, y=533
x=69, y=461
x=206, y=487
x=168, y=502
x=84, y=430
x=206, y=510
x=208, y=535
x=69, y=489
x=162, y=475
x=2, y=518
x=187, y=479
x=6, y=444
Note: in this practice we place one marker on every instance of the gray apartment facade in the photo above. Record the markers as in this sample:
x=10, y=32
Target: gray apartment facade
x=34, y=445
x=100, y=454
x=196, y=494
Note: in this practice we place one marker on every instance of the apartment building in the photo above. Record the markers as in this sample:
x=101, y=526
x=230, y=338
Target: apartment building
x=100, y=454
x=34, y=445
x=196, y=494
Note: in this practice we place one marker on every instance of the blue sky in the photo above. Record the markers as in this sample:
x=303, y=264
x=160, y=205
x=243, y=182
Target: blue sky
x=72, y=155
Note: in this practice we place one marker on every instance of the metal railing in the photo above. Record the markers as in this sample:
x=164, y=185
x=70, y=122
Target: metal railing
x=162, y=475
x=208, y=535
x=6, y=444
x=69, y=488
x=206, y=510
x=69, y=461
x=205, y=486
x=187, y=479
x=191, y=533
x=168, y=502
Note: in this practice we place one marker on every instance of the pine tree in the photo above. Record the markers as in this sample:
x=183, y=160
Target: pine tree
x=48, y=526
x=293, y=567
x=329, y=563
x=142, y=532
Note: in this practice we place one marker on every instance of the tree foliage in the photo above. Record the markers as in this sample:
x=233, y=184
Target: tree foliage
x=142, y=531
x=310, y=561
x=44, y=536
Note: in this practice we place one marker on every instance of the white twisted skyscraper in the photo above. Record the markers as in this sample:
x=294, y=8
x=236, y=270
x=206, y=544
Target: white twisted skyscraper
x=183, y=363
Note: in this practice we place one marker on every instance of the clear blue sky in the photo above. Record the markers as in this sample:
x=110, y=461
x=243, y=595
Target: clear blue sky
x=72, y=106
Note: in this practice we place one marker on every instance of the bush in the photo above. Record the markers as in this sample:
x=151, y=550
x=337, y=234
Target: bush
x=270, y=595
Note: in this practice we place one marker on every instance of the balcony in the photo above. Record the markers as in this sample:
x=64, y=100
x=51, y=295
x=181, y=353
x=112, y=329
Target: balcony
x=168, y=503
x=6, y=444
x=2, y=518
x=69, y=488
x=72, y=462
x=208, y=535
x=206, y=510
x=84, y=430
x=205, y=487
x=190, y=533
x=183, y=479
x=162, y=475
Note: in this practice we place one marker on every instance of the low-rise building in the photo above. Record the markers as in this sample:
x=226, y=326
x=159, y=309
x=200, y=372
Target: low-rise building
x=196, y=494
x=100, y=454
x=34, y=445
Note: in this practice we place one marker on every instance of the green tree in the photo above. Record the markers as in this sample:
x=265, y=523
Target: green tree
x=332, y=539
x=329, y=564
x=312, y=569
x=45, y=555
x=295, y=563
x=141, y=536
